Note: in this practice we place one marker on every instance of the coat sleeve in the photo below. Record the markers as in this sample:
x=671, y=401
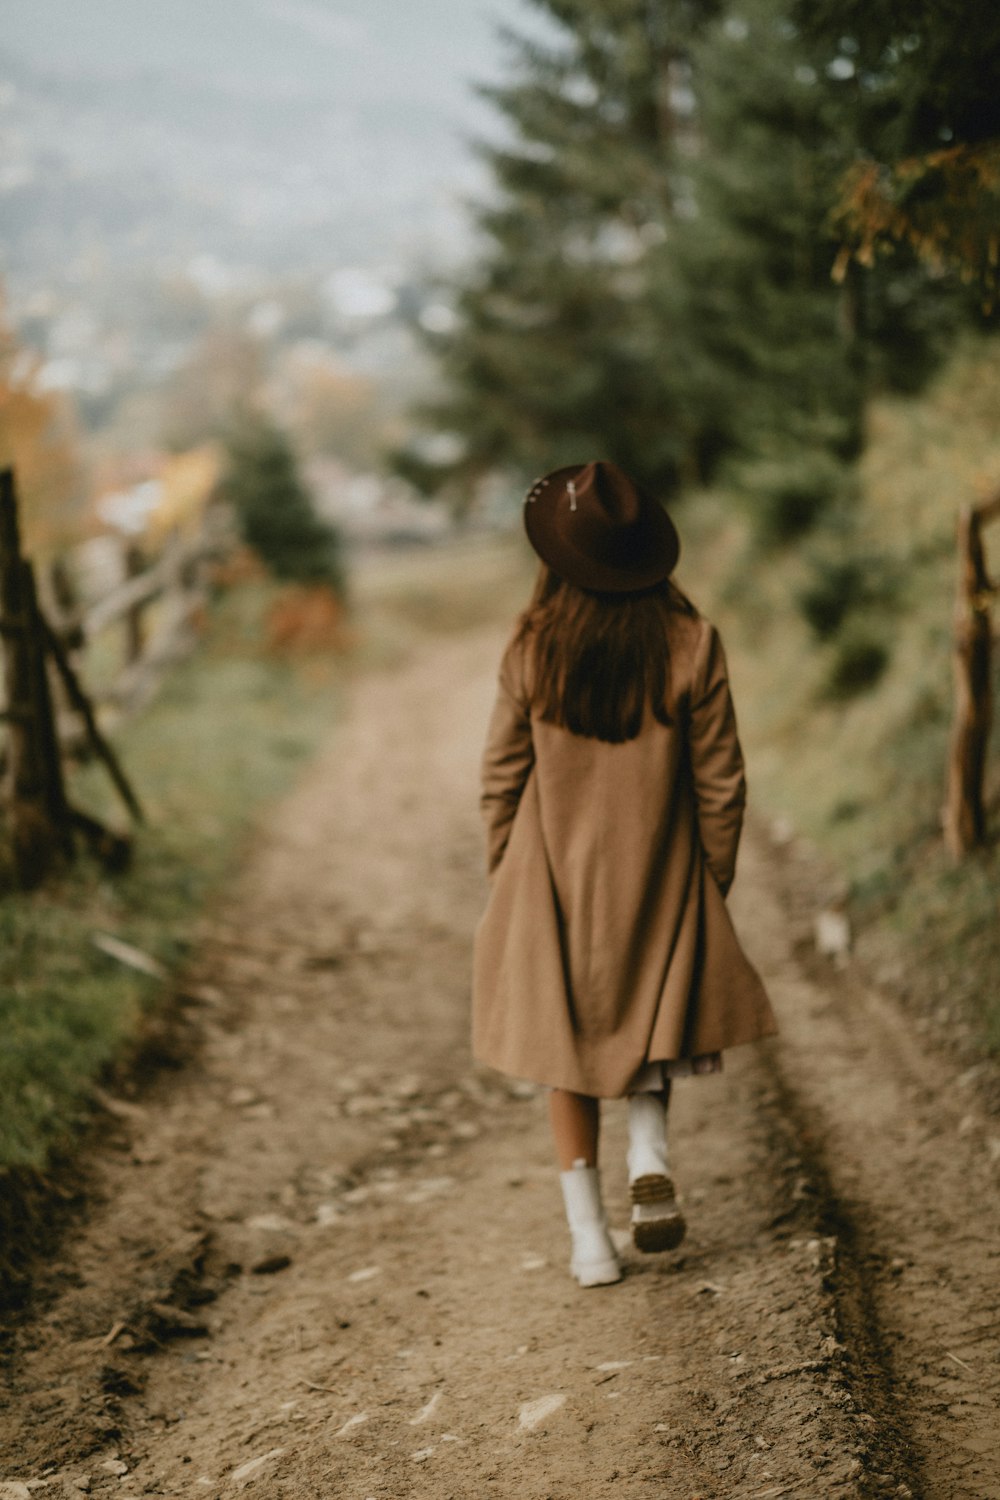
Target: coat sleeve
x=507, y=759
x=716, y=760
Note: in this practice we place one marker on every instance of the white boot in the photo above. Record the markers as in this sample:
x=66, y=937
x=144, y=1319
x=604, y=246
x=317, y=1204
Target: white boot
x=657, y=1221
x=594, y=1260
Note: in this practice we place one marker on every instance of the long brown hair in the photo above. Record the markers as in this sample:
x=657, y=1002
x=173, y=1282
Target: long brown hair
x=597, y=660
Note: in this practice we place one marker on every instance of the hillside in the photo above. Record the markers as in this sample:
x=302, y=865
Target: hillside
x=847, y=720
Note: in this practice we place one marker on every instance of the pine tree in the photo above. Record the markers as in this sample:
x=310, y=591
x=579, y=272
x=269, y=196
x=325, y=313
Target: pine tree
x=769, y=352
x=274, y=509
x=927, y=174
x=779, y=355
x=553, y=359
x=657, y=278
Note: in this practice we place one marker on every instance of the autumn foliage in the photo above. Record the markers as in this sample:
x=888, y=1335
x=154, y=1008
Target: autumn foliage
x=945, y=205
x=39, y=440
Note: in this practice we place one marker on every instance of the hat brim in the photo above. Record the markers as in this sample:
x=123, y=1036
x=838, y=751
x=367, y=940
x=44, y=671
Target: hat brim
x=655, y=547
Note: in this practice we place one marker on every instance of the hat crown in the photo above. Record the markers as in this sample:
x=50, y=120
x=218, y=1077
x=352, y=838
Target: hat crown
x=609, y=488
x=595, y=527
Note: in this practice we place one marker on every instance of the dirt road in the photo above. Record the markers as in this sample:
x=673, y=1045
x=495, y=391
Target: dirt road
x=327, y=1259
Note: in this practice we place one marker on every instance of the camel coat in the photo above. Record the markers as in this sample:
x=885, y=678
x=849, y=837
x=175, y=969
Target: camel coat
x=606, y=943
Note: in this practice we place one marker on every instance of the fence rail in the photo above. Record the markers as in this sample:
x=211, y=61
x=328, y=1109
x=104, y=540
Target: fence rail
x=48, y=711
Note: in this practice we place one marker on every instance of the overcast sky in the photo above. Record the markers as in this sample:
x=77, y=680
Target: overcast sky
x=427, y=51
x=264, y=127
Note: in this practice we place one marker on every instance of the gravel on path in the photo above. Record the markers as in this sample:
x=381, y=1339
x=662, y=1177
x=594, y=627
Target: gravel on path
x=327, y=1257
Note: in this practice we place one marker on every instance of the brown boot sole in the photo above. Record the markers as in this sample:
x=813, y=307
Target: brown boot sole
x=666, y=1231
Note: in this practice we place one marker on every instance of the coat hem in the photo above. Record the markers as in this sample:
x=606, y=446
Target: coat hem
x=579, y=1084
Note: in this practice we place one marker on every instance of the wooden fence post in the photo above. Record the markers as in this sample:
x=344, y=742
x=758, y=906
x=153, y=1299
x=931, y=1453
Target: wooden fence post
x=135, y=625
x=964, y=816
x=47, y=748
x=27, y=791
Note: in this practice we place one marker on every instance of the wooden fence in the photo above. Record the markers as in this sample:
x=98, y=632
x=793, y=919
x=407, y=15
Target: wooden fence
x=964, y=814
x=46, y=633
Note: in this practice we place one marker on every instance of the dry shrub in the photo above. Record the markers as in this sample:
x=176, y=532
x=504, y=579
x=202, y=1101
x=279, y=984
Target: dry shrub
x=241, y=565
x=306, y=619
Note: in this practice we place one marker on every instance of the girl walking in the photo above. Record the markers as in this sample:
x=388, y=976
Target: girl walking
x=605, y=963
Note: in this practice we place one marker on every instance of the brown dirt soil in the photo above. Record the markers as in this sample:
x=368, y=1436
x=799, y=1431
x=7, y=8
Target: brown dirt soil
x=327, y=1258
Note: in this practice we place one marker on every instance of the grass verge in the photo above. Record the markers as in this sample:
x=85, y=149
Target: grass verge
x=857, y=764
x=225, y=737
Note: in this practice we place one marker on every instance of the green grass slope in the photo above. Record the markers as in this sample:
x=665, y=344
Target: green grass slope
x=226, y=735
x=841, y=646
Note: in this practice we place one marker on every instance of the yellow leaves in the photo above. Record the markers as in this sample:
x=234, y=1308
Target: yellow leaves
x=38, y=438
x=945, y=205
x=189, y=481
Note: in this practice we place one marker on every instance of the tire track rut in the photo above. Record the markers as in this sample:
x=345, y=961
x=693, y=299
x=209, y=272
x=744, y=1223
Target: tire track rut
x=904, y=1176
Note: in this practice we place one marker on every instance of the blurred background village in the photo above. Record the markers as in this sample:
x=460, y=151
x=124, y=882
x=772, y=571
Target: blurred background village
x=218, y=209
x=291, y=285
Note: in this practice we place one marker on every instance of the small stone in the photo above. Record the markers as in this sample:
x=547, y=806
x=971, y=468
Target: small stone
x=833, y=933
x=421, y=1455
x=429, y=1187
x=169, y=1322
x=241, y=1097
x=363, y=1104
x=270, y=1223
x=365, y=1273
x=203, y=994
x=13, y=1489
x=114, y=1466
x=253, y=1466
x=352, y=1422
x=967, y=1124
x=534, y=1412
x=261, y=1111
x=425, y=1412
x=270, y=1264
x=327, y=1214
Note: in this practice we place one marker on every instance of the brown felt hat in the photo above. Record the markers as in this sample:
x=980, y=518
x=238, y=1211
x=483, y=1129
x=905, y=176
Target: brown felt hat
x=594, y=527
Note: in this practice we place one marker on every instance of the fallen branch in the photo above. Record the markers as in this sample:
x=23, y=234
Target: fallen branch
x=125, y=953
